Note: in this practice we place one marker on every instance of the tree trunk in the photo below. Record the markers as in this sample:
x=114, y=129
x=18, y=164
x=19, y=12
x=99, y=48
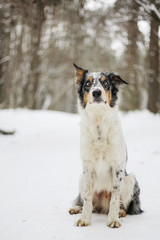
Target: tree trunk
x=4, y=54
x=76, y=19
x=153, y=88
x=132, y=94
x=31, y=97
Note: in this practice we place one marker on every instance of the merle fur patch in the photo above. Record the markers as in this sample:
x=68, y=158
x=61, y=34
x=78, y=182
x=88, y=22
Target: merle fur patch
x=135, y=206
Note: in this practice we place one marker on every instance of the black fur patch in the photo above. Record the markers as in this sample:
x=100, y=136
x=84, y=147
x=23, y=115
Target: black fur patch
x=81, y=90
x=135, y=206
x=113, y=89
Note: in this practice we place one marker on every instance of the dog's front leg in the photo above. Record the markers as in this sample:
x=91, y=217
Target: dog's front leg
x=113, y=216
x=88, y=190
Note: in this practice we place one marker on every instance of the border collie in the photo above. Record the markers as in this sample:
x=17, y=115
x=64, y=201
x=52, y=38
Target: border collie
x=105, y=186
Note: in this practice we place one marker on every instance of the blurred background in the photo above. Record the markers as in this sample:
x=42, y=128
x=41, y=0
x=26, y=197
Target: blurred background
x=40, y=39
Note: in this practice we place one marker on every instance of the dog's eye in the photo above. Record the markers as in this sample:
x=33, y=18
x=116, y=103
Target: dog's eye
x=88, y=84
x=105, y=83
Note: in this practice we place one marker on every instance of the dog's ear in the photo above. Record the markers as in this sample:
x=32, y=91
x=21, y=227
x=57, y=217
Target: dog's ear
x=116, y=79
x=79, y=73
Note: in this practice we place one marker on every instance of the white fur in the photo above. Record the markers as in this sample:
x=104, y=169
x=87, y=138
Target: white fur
x=103, y=152
x=103, y=184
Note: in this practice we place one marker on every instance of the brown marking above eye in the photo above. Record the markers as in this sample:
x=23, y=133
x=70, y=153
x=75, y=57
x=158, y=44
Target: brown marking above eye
x=103, y=78
x=90, y=79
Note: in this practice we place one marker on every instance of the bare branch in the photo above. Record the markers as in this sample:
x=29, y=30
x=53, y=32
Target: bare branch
x=6, y=132
x=149, y=8
x=5, y=59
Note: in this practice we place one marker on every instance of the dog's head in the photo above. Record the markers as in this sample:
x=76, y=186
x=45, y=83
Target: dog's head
x=97, y=88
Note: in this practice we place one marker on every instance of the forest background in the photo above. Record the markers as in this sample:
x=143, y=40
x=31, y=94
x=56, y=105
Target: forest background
x=40, y=39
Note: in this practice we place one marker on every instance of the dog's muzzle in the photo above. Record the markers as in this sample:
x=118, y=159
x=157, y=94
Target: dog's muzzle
x=97, y=95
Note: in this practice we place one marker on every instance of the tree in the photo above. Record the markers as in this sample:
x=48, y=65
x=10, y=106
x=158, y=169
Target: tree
x=151, y=9
x=153, y=88
x=129, y=68
x=40, y=40
x=7, y=22
x=31, y=88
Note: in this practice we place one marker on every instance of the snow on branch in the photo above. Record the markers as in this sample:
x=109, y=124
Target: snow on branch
x=155, y=10
x=149, y=8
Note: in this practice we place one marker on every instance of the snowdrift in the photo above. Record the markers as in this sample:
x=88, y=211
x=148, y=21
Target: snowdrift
x=39, y=172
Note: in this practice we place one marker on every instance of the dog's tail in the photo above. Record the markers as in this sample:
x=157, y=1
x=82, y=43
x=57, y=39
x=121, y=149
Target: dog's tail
x=135, y=206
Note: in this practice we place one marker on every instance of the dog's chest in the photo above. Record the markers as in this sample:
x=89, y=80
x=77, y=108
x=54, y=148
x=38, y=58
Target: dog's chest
x=98, y=131
x=95, y=139
x=98, y=146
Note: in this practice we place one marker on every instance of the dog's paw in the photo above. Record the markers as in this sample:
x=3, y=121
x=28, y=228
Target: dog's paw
x=122, y=213
x=114, y=224
x=82, y=223
x=75, y=210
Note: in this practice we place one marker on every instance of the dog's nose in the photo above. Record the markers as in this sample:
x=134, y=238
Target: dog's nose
x=97, y=93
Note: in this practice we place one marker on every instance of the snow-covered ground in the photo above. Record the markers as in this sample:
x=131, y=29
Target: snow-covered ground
x=39, y=172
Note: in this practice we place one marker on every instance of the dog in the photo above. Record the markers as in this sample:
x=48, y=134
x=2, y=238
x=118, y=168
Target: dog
x=105, y=186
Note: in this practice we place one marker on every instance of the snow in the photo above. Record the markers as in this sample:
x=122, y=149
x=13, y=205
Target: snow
x=39, y=172
x=92, y=5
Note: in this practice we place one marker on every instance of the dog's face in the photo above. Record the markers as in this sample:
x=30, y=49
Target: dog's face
x=97, y=88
